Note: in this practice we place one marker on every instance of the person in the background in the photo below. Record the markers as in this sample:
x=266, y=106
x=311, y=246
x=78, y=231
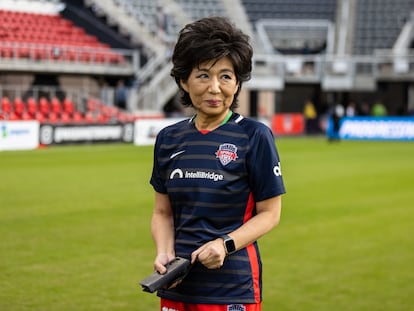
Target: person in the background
x=337, y=114
x=378, y=109
x=350, y=110
x=364, y=109
x=217, y=177
x=121, y=95
x=311, y=117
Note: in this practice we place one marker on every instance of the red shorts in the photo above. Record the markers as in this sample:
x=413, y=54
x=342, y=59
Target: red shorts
x=169, y=305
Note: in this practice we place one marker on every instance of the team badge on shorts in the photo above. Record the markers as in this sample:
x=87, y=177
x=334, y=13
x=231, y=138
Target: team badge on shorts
x=236, y=308
x=226, y=153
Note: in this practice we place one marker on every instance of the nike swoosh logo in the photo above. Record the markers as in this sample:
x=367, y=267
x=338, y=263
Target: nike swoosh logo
x=176, y=154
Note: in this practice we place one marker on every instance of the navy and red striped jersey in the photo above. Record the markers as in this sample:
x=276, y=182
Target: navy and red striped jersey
x=213, y=181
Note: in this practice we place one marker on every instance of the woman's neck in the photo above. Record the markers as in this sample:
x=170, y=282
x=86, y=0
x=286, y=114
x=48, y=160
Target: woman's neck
x=210, y=123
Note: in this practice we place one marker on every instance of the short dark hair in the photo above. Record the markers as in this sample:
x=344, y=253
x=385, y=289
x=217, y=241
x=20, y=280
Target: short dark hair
x=207, y=39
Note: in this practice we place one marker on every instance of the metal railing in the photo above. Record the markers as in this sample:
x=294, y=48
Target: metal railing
x=320, y=68
x=43, y=57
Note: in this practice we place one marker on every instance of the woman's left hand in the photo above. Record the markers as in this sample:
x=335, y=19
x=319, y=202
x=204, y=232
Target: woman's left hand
x=211, y=255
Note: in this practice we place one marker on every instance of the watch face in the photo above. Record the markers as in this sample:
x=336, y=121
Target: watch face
x=230, y=246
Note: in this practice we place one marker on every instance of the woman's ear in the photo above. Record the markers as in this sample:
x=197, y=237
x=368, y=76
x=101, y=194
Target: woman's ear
x=184, y=85
x=238, y=87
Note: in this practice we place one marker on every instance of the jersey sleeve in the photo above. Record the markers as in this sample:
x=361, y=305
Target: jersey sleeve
x=156, y=180
x=263, y=163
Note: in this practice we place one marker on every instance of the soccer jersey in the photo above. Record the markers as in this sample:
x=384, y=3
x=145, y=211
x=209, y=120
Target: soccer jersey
x=213, y=181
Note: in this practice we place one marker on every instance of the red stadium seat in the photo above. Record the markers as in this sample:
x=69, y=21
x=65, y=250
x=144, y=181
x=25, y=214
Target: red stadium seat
x=85, y=57
x=55, y=105
x=53, y=117
x=6, y=106
x=68, y=106
x=77, y=117
x=19, y=107
x=92, y=104
x=44, y=106
x=65, y=118
x=71, y=55
x=99, y=57
x=23, y=52
x=89, y=117
x=31, y=106
x=40, y=117
x=102, y=118
x=39, y=53
x=13, y=116
x=26, y=116
x=6, y=52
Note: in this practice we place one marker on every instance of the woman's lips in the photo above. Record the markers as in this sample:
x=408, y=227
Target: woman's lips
x=213, y=102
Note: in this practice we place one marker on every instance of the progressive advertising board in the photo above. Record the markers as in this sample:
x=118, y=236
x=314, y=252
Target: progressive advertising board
x=374, y=128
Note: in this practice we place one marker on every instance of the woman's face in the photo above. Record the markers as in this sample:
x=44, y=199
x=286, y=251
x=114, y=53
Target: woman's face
x=211, y=87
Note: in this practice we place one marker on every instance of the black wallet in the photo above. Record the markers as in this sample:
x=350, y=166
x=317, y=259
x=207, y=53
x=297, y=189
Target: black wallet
x=176, y=271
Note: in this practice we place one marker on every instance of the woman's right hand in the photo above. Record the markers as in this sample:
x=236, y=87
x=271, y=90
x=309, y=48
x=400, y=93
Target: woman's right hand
x=161, y=261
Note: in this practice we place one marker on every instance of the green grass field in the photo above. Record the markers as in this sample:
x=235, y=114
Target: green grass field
x=74, y=228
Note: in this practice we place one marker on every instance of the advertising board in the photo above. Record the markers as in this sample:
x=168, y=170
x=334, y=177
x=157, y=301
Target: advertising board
x=19, y=135
x=374, y=128
x=146, y=130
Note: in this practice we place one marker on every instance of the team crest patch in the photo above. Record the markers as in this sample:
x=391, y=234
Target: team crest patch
x=236, y=308
x=227, y=153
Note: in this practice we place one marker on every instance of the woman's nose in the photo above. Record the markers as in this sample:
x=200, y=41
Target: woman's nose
x=214, y=86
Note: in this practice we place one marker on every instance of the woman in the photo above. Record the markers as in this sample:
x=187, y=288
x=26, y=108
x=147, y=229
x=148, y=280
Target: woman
x=216, y=177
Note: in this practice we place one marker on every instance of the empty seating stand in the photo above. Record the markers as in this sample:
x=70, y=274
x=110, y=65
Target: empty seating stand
x=50, y=37
x=151, y=14
x=197, y=9
x=289, y=9
x=378, y=24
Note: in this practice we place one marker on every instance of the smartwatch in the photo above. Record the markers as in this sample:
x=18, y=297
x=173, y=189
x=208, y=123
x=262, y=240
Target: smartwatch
x=229, y=245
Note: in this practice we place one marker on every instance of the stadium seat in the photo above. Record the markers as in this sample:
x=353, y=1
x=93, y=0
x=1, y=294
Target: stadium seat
x=92, y=105
x=65, y=118
x=55, y=105
x=40, y=117
x=13, y=116
x=26, y=116
x=44, y=106
x=102, y=118
x=89, y=117
x=19, y=107
x=23, y=52
x=31, y=106
x=68, y=106
x=53, y=117
x=77, y=117
x=6, y=106
x=85, y=57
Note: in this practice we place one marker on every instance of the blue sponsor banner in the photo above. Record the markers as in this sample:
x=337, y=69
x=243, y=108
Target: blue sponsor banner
x=372, y=128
